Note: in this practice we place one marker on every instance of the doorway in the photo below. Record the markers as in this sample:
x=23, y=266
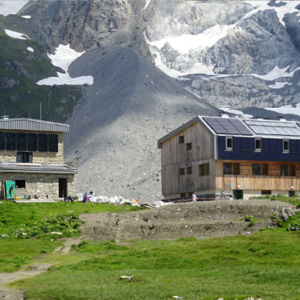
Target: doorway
x=62, y=187
x=238, y=194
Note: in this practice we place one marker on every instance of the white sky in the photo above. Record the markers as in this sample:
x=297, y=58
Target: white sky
x=11, y=6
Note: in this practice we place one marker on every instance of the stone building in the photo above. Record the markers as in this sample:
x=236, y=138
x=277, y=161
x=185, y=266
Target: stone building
x=31, y=158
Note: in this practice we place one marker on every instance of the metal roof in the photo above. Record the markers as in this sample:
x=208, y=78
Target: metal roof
x=32, y=125
x=241, y=127
x=36, y=168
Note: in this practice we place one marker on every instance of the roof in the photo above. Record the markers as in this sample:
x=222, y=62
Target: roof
x=36, y=168
x=241, y=127
x=32, y=125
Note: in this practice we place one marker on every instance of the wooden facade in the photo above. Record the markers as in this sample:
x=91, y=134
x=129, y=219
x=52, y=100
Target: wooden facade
x=190, y=163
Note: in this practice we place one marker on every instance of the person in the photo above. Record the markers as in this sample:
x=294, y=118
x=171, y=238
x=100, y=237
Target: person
x=90, y=196
x=85, y=198
x=194, y=198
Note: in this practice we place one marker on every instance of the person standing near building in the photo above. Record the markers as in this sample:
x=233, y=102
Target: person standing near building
x=194, y=198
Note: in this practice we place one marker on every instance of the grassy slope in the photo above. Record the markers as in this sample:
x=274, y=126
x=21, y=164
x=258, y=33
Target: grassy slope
x=14, y=253
x=266, y=264
x=23, y=99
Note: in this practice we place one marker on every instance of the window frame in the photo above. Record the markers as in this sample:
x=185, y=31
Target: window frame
x=262, y=169
x=19, y=184
x=204, y=169
x=189, y=146
x=181, y=139
x=258, y=149
x=283, y=146
x=181, y=171
x=189, y=170
x=228, y=138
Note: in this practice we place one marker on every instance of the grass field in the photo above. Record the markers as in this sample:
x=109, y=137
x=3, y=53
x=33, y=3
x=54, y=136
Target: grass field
x=266, y=264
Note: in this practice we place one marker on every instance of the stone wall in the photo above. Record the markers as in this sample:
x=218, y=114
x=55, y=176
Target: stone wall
x=39, y=185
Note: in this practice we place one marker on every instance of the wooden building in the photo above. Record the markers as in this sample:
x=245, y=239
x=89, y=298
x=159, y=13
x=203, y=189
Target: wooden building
x=32, y=159
x=229, y=157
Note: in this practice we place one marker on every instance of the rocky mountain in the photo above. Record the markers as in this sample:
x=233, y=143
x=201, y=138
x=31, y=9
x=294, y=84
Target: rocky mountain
x=114, y=132
x=156, y=64
x=230, y=53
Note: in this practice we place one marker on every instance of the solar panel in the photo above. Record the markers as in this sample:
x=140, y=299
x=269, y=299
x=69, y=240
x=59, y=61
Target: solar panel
x=263, y=127
x=227, y=126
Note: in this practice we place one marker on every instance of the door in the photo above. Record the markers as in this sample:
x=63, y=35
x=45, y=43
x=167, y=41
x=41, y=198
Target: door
x=62, y=187
x=238, y=194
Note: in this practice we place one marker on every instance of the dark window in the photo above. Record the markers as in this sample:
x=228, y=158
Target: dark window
x=189, y=170
x=43, y=142
x=181, y=171
x=259, y=169
x=229, y=143
x=231, y=168
x=53, y=143
x=236, y=169
x=2, y=141
x=266, y=192
x=227, y=168
x=286, y=145
x=190, y=194
x=21, y=142
x=20, y=184
x=24, y=157
x=10, y=141
x=189, y=146
x=292, y=170
x=287, y=170
x=181, y=139
x=258, y=145
x=204, y=170
x=32, y=142
x=182, y=195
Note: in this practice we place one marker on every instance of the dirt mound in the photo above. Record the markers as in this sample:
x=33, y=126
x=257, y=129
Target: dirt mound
x=200, y=220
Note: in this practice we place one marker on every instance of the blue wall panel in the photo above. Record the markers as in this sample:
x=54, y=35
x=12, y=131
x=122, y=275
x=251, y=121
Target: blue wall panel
x=244, y=149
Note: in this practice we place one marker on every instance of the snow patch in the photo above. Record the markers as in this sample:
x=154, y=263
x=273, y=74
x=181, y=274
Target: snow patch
x=185, y=42
x=16, y=35
x=62, y=58
x=30, y=49
x=26, y=17
x=236, y=112
x=276, y=73
x=287, y=109
x=278, y=85
x=288, y=7
x=147, y=3
x=8, y=7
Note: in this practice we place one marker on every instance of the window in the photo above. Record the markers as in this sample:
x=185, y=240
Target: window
x=231, y=168
x=53, y=143
x=182, y=195
x=286, y=146
x=32, y=142
x=20, y=184
x=21, y=142
x=181, y=139
x=259, y=169
x=189, y=146
x=2, y=140
x=189, y=170
x=287, y=170
x=24, y=157
x=190, y=194
x=181, y=171
x=257, y=145
x=10, y=141
x=266, y=192
x=229, y=143
x=203, y=169
x=42, y=142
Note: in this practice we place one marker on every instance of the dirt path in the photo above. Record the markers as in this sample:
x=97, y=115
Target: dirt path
x=36, y=269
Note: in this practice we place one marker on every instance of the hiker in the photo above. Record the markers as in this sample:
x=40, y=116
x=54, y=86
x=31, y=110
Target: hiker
x=194, y=198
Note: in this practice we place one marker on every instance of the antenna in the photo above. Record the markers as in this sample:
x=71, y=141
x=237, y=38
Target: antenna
x=40, y=110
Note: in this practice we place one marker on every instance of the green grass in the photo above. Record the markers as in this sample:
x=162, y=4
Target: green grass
x=266, y=264
x=37, y=220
